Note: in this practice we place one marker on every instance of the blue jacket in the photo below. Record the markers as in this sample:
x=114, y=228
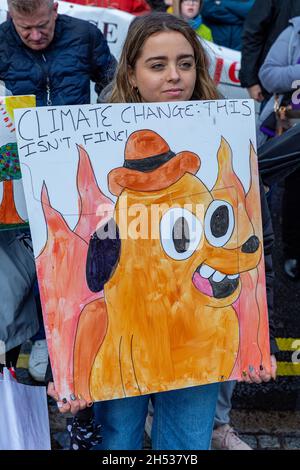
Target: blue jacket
x=225, y=18
x=61, y=73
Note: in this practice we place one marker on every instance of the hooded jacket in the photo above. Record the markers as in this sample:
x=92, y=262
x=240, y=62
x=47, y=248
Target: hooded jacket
x=280, y=70
x=282, y=65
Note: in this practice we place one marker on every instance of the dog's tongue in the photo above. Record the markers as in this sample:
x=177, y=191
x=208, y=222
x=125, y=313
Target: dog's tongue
x=202, y=284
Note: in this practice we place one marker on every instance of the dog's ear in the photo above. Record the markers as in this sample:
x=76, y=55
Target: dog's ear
x=103, y=255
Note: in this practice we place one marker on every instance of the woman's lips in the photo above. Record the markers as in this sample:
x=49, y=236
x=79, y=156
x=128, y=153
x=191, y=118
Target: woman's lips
x=173, y=92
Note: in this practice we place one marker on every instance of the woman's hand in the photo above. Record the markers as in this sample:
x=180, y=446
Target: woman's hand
x=261, y=375
x=73, y=405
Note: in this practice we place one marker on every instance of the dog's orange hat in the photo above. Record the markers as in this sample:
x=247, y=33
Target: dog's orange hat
x=150, y=165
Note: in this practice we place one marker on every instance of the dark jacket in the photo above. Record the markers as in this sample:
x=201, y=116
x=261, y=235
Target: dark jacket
x=225, y=18
x=61, y=73
x=265, y=21
x=268, y=235
x=18, y=314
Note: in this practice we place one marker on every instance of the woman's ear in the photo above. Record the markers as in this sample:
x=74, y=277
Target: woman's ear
x=131, y=77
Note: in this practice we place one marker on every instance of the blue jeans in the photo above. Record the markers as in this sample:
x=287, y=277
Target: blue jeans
x=183, y=420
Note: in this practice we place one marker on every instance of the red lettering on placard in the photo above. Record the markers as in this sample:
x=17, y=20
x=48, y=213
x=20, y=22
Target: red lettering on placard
x=233, y=72
x=218, y=70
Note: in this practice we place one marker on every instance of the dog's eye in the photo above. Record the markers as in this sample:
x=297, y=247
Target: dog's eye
x=219, y=223
x=180, y=233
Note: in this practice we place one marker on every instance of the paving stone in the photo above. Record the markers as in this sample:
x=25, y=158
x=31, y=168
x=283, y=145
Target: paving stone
x=268, y=442
x=250, y=440
x=266, y=422
x=291, y=443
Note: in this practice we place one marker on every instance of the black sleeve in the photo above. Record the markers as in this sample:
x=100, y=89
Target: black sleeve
x=103, y=63
x=254, y=36
x=48, y=375
x=268, y=245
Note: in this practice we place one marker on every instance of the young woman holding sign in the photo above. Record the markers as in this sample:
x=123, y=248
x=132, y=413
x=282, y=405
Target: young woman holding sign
x=162, y=60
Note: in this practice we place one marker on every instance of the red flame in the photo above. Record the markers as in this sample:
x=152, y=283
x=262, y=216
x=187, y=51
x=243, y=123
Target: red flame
x=61, y=273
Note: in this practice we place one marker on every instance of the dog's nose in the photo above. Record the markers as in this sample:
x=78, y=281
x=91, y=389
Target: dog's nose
x=251, y=245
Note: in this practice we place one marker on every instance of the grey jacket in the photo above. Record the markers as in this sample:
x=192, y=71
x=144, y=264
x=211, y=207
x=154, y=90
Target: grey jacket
x=18, y=315
x=280, y=68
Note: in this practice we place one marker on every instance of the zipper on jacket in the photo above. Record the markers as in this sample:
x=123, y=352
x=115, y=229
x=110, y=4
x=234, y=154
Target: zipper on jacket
x=48, y=89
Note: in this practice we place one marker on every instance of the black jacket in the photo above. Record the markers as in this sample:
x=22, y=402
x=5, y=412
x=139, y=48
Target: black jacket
x=265, y=21
x=268, y=235
x=61, y=73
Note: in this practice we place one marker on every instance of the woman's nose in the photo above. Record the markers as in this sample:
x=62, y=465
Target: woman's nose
x=173, y=73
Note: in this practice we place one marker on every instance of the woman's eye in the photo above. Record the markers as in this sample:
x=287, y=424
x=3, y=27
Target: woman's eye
x=157, y=66
x=186, y=65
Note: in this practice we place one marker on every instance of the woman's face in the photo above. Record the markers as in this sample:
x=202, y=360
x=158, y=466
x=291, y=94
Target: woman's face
x=165, y=70
x=189, y=9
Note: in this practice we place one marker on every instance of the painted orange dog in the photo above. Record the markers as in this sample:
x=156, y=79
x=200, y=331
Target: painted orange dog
x=169, y=297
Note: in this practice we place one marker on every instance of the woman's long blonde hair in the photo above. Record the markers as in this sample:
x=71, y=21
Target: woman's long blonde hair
x=139, y=31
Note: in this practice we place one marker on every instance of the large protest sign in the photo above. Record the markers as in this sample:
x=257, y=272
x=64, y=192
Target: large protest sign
x=146, y=227
x=13, y=212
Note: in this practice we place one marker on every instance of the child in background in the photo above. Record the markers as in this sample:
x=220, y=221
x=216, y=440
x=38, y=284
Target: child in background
x=190, y=11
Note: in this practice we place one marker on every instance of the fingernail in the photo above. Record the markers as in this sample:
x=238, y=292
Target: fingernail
x=72, y=396
x=64, y=400
x=261, y=367
x=59, y=404
x=244, y=373
x=251, y=368
x=90, y=404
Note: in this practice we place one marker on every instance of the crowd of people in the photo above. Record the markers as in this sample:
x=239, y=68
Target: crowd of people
x=55, y=57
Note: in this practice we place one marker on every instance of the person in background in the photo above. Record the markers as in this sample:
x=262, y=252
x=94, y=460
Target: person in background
x=264, y=23
x=18, y=314
x=226, y=18
x=52, y=56
x=190, y=11
x=135, y=7
x=278, y=75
